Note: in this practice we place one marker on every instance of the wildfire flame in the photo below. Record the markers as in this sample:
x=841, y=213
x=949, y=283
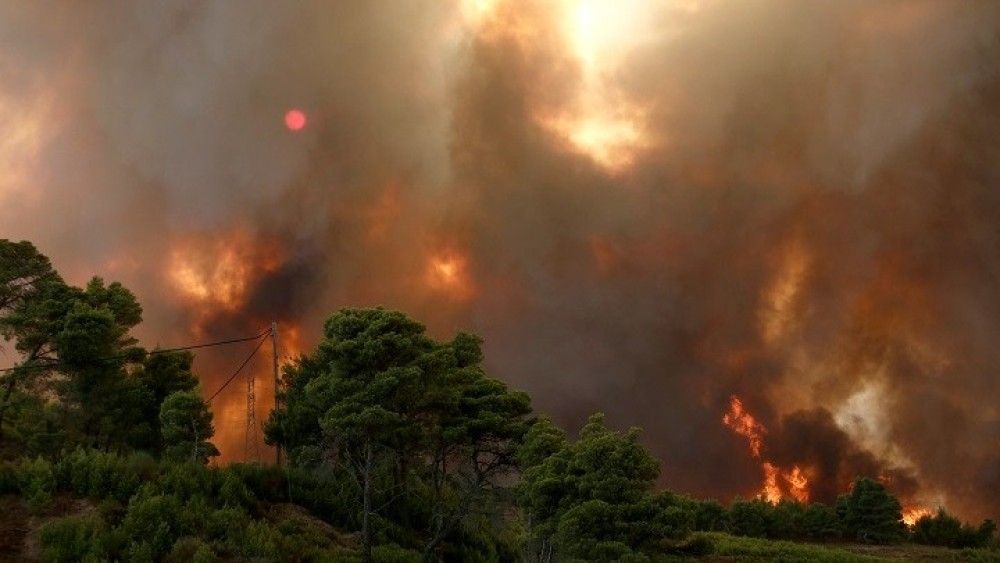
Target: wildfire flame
x=777, y=483
x=744, y=424
x=798, y=484
x=911, y=514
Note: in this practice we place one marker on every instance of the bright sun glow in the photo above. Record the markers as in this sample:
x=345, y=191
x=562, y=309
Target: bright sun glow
x=603, y=126
x=21, y=140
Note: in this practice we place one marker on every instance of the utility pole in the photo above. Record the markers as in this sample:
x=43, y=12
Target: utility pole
x=274, y=355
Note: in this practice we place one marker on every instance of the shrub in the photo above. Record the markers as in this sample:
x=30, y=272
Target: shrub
x=8, y=479
x=265, y=482
x=749, y=517
x=708, y=516
x=260, y=540
x=234, y=492
x=36, y=481
x=227, y=525
x=73, y=538
x=820, y=522
x=392, y=553
x=189, y=549
x=100, y=475
x=944, y=529
x=188, y=479
x=786, y=520
x=153, y=520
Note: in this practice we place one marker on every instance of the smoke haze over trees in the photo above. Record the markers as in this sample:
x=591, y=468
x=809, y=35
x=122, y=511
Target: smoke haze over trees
x=644, y=210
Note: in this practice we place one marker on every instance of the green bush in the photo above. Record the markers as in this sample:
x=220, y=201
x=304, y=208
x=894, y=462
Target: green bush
x=946, y=530
x=36, y=481
x=73, y=538
x=749, y=517
x=8, y=479
x=265, y=482
x=234, y=492
x=101, y=475
x=227, y=525
x=153, y=520
x=392, y=553
x=188, y=479
x=190, y=549
x=260, y=541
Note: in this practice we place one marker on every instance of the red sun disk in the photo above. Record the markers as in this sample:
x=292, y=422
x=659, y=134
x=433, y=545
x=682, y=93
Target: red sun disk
x=295, y=120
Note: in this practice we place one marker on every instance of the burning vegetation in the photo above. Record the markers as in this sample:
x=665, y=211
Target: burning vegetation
x=781, y=215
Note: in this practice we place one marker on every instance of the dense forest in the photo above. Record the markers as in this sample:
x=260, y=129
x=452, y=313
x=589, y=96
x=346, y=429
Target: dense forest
x=399, y=447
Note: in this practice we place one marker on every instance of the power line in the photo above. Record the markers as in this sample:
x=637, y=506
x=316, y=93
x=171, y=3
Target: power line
x=243, y=365
x=150, y=353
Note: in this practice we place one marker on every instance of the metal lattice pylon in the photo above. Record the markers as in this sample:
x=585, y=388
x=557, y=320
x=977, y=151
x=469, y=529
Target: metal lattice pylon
x=251, y=446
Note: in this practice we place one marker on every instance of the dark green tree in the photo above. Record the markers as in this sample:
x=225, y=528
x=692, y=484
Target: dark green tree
x=787, y=520
x=820, y=522
x=159, y=376
x=186, y=426
x=407, y=416
x=944, y=529
x=33, y=302
x=872, y=514
x=592, y=499
x=750, y=517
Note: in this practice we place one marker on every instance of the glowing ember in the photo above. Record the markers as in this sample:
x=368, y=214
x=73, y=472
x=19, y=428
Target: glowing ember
x=741, y=422
x=295, y=120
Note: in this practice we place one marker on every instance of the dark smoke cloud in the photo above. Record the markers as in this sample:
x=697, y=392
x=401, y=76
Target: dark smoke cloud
x=849, y=147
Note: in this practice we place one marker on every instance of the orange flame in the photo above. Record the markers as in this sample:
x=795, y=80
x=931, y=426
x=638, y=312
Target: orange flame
x=798, y=484
x=771, y=491
x=744, y=424
x=777, y=484
x=911, y=514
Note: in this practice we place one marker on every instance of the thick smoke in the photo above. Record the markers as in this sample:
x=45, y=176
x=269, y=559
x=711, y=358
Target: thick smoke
x=792, y=203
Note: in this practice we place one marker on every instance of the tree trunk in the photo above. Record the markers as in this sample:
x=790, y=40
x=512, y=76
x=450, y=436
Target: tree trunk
x=366, y=531
x=7, y=392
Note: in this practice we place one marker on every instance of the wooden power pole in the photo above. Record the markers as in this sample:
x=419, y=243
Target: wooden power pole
x=277, y=388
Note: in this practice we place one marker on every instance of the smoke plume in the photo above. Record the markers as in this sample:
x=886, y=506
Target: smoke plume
x=646, y=208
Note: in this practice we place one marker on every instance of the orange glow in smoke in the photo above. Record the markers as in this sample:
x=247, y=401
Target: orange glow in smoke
x=780, y=299
x=447, y=272
x=290, y=340
x=218, y=270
